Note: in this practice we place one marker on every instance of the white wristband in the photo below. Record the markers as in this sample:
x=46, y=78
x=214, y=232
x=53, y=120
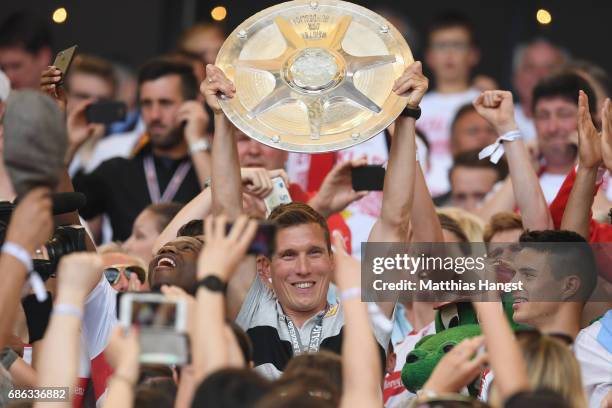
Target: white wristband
x=19, y=252
x=349, y=293
x=379, y=319
x=200, y=145
x=67, y=310
x=496, y=150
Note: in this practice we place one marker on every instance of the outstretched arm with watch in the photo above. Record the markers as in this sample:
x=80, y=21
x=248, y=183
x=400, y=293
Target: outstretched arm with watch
x=193, y=114
x=218, y=261
x=398, y=188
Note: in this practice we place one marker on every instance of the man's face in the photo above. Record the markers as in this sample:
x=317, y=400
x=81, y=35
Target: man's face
x=160, y=101
x=22, y=67
x=450, y=55
x=532, y=268
x=206, y=44
x=176, y=264
x=539, y=61
x=119, y=261
x=251, y=153
x=301, y=268
x=469, y=186
x=556, y=122
x=471, y=131
x=86, y=86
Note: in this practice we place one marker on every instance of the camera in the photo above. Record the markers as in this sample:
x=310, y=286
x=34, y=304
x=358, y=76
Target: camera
x=66, y=239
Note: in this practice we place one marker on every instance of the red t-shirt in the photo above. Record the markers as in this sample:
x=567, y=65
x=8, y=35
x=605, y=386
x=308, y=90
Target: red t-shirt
x=598, y=232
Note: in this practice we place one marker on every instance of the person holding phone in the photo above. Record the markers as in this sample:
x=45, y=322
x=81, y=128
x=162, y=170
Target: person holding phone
x=173, y=164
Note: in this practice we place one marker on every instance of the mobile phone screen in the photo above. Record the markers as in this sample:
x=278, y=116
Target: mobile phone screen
x=154, y=315
x=368, y=178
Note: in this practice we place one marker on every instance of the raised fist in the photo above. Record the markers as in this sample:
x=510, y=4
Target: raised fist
x=497, y=108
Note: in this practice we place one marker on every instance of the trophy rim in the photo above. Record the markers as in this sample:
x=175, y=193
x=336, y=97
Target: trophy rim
x=355, y=138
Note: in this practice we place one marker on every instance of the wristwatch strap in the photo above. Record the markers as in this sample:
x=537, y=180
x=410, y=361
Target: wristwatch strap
x=411, y=112
x=213, y=283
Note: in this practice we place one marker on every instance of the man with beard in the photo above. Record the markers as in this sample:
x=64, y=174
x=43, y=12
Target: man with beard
x=172, y=166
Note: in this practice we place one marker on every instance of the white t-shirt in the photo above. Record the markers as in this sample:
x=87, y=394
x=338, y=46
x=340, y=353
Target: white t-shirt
x=396, y=395
x=524, y=123
x=595, y=362
x=361, y=215
x=438, y=111
x=551, y=183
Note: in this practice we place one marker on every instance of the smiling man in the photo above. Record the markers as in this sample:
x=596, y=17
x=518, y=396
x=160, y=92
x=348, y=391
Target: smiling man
x=558, y=272
x=175, y=264
x=284, y=309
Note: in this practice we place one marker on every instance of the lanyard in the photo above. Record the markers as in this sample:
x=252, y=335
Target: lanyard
x=315, y=336
x=172, y=187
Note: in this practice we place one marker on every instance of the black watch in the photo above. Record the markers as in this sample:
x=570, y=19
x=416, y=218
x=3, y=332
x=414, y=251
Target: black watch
x=411, y=112
x=213, y=283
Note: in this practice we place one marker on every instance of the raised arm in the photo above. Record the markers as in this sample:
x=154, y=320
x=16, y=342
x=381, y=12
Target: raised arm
x=195, y=117
x=360, y=376
x=424, y=219
x=577, y=214
x=58, y=361
x=198, y=208
x=122, y=353
x=218, y=261
x=505, y=357
x=31, y=225
x=398, y=191
x=226, y=182
x=497, y=107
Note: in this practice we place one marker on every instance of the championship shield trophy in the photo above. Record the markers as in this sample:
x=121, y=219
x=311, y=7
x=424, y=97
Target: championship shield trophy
x=314, y=76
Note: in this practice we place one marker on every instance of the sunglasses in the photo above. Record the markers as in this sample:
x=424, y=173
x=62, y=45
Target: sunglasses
x=113, y=273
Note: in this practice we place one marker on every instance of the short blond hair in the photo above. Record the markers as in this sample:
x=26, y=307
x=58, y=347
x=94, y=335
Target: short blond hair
x=470, y=224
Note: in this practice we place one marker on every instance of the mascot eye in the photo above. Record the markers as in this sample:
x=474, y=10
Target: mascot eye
x=448, y=348
x=411, y=358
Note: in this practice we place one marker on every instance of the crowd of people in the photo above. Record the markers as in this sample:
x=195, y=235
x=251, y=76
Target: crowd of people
x=175, y=195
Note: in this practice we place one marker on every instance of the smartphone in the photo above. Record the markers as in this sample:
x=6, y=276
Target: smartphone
x=279, y=195
x=161, y=325
x=63, y=60
x=263, y=242
x=368, y=178
x=105, y=112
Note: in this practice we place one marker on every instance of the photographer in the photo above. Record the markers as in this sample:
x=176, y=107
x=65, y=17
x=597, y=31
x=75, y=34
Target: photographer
x=30, y=227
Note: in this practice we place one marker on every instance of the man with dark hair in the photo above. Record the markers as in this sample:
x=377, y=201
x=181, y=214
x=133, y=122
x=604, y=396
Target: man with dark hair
x=451, y=55
x=25, y=49
x=558, y=274
x=555, y=111
x=470, y=131
x=171, y=166
x=472, y=179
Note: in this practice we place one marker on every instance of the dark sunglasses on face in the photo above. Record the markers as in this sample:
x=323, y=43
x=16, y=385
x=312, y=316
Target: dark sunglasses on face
x=113, y=273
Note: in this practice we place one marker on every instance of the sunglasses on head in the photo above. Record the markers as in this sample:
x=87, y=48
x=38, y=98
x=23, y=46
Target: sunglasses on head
x=113, y=273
